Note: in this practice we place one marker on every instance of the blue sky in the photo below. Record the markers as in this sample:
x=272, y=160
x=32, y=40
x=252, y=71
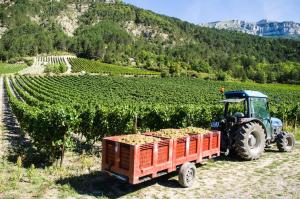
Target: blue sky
x=201, y=11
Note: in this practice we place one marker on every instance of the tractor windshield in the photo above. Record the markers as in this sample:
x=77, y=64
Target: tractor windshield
x=259, y=108
x=235, y=107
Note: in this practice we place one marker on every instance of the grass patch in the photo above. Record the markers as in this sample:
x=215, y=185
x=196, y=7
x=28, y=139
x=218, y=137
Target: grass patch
x=297, y=134
x=33, y=182
x=8, y=177
x=274, y=164
x=6, y=68
x=66, y=190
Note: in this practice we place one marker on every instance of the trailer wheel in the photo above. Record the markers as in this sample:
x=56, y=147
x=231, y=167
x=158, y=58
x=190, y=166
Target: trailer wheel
x=285, y=142
x=187, y=174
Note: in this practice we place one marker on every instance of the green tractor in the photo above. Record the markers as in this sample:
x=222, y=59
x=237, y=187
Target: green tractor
x=247, y=127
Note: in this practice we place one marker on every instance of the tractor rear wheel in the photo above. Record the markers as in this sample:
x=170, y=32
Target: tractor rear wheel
x=250, y=141
x=187, y=174
x=285, y=142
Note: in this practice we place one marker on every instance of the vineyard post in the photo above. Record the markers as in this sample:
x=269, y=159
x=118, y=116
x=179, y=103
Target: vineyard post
x=52, y=156
x=296, y=117
x=63, y=150
x=283, y=118
x=295, y=124
x=297, y=111
x=135, y=124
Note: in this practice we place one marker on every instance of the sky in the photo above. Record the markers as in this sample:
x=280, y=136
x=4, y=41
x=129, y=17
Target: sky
x=203, y=11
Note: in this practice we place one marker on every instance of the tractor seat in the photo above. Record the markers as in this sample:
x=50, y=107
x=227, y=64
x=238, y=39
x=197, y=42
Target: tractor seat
x=239, y=114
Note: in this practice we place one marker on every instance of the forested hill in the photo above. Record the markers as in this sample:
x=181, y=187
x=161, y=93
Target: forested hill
x=124, y=34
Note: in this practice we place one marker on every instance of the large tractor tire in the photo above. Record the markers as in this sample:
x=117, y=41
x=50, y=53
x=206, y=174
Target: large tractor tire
x=187, y=174
x=250, y=141
x=285, y=142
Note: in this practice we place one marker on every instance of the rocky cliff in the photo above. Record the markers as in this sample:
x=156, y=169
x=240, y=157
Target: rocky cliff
x=262, y=28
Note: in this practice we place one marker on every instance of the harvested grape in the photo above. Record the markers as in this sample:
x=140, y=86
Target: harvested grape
x=171, y=133
x=195, y=130
x=177, y=133
x=136, y=139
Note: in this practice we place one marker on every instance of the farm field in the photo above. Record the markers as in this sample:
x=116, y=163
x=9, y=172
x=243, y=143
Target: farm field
x=11, y=68
x=56, y=110
x=79, y=65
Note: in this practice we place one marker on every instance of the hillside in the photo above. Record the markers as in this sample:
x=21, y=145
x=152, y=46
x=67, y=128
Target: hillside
x=265, y=28
x=117, y=33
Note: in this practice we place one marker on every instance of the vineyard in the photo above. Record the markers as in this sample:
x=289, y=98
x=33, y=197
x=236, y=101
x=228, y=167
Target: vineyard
x=79, y=65
x=53, y=109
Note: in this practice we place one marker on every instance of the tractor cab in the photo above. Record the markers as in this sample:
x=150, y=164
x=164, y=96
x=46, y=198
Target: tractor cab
x=246, y=106
x=247, y=126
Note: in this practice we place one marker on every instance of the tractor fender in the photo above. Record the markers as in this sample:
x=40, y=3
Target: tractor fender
x=247, y=120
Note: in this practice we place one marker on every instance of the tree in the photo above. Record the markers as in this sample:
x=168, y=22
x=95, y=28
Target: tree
x=27, y=39
x=201, y=66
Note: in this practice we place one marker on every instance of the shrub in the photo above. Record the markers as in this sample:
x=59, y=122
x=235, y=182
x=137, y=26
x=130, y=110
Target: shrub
x=55, y=68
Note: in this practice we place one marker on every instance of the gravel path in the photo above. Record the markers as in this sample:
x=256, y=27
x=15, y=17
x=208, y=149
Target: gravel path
x=36, y=68
x=69, y=66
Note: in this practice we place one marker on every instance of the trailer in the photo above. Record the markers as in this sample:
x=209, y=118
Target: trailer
x=138, y=163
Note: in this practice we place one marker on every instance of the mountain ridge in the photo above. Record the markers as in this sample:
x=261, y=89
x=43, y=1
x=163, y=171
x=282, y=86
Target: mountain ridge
x=264, y=27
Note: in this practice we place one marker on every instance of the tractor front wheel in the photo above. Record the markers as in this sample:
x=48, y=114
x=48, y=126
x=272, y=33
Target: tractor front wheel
x=250, y=141
x=285, y=142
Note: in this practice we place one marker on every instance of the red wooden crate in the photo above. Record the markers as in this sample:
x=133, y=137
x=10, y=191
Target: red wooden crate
x=211, y=144
x=194, y=148
x=133, y=162
x=186, y=150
